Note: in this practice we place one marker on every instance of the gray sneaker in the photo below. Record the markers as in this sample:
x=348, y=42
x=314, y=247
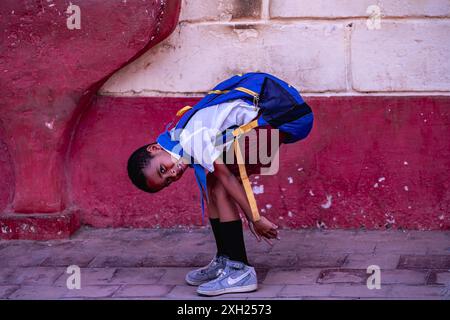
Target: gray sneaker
x=208, y=273
x=236, y=277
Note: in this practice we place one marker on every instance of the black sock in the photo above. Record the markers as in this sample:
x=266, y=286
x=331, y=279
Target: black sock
x=233, y=240
x=215, y=225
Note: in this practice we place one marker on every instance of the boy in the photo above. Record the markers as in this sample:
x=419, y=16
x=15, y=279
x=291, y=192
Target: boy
x=155, y=166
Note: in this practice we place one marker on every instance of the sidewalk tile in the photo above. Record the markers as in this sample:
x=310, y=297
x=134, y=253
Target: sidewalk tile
x=174, y=276
x=407, y=277
x=34, y=276
x=38, y=293
x=362, y=261
x=5, y=273
x=89, y=276
x=348, y=276
x=183, y=292
x=443, y=278
x=18, y=255
x=264, y=291
x=301, y=276
x=359, y=291
x=120, y=260
x=137, y=275
x=405, y=291
x=98, y=291
x=6, y=291
x=424, y=262
x=144, y=291
x=318, y=290
x=321, y=261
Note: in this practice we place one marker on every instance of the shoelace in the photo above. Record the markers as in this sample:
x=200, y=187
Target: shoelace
x=211, y=264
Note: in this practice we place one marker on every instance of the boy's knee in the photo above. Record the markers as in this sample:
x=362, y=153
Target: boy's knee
x=217, y=192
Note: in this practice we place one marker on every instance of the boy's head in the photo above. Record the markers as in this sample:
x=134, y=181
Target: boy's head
x=151, y=168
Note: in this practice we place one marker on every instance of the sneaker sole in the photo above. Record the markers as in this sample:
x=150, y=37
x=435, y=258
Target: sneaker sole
x=193, y=283
x=249, y=288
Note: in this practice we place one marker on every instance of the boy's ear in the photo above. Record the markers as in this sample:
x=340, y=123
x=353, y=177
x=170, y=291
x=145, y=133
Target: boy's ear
x=153, y=147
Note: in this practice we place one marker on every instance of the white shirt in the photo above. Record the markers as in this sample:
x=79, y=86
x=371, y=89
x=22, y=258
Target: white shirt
x=199, y=135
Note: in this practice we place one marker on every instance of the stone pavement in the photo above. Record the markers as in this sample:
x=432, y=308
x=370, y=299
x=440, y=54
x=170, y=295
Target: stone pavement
x=304, y=264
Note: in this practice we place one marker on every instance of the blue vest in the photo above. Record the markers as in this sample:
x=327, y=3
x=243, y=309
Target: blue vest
x=281, y=106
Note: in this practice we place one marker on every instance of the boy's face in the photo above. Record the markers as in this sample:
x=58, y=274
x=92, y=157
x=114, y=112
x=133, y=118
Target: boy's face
x=163, y=169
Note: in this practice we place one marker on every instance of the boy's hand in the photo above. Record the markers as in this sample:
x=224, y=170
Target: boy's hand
x=265, y=229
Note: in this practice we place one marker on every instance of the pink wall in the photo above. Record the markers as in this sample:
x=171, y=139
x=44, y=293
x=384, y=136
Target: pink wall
x=382, y=162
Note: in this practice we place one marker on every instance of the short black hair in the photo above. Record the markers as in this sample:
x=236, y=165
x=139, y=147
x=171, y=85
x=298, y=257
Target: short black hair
x=137, y=162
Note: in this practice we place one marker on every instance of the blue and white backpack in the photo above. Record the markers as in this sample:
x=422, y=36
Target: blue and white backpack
x=281, y=106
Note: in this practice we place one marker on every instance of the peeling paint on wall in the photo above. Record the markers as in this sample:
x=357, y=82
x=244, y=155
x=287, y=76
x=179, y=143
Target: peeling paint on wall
x=327, y=204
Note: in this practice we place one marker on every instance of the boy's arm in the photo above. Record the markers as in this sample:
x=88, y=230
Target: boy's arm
x=235, y=189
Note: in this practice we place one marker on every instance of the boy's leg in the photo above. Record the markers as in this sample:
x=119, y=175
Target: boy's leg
x=231, y=231
x=213, y=214
x=237, y=276
x=213, y=269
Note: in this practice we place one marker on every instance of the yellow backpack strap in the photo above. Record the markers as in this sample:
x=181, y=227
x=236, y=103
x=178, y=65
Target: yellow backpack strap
x=218, y=91
x=245, y=128
x=246, y=183
x=183, y=110
x=242, y=171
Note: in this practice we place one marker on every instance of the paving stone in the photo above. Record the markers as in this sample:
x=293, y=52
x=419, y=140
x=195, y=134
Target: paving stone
x=264, y=291
x=403, y=247
x=98, y=291
x=144, y=291
x=272, y=260
x=443, y=278
x=137, y=275
x=430, y=236
x=324, y=234
x=349, y=246
x=318, y=290
x=381, y=235
x=33, y=276
x=89, y=276
x=66, y=254
x=405, y=291
x=4, y=275
x=88, y=233
x=18, y=255
x=320, y=261
x=424, y=262
x=183, y=292
x=362, y=261
x=174, y=276
x=120, y=260
x=38, y=293
x=359, y=291
x=302, y=276
x=6, y=291
x=177, y=260
x=301, y=247
x=342, y=276
x=407, y=277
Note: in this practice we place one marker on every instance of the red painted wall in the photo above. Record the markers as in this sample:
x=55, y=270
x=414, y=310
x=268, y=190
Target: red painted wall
x=6, y=174
x=383, y=160
x=49, y=75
